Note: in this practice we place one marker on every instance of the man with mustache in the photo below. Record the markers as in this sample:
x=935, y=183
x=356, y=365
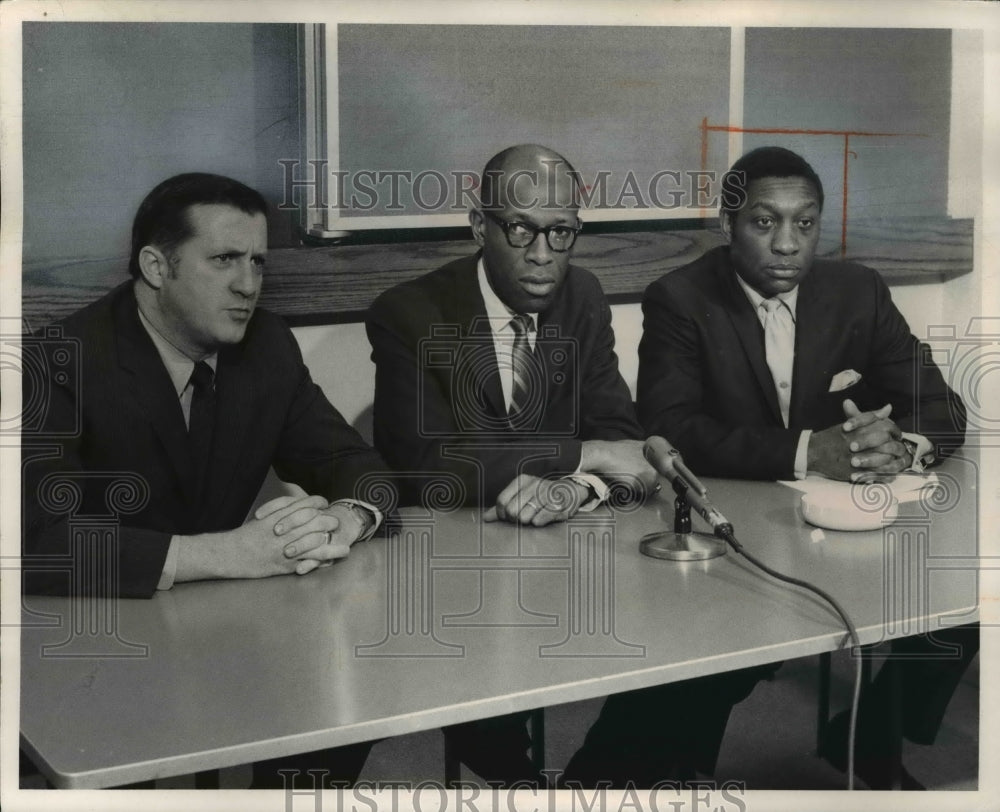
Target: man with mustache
x=760, y=361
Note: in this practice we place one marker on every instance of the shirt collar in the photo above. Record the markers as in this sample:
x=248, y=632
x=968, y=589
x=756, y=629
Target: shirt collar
x=497, y=312
x=179, y=366
x=790, y=298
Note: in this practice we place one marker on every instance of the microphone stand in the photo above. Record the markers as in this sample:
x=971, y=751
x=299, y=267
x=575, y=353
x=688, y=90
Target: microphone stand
x=682, y=544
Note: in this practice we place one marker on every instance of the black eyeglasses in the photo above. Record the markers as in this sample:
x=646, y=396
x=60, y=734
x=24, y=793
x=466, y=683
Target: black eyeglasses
x=521, y=235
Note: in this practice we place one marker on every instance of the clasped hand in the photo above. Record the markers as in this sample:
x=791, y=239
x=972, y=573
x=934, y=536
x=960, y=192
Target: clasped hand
x=864, y=446
x=313, y=532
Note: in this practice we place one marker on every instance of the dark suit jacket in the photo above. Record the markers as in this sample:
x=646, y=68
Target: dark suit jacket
x=119, y=419
x=704, y=383
x=438, y=401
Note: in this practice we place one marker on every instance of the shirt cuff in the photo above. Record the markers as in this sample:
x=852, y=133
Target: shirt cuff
x=169, y=566
x=923, y=451
x=374, y=516
x=802, y=454
x=597, y=487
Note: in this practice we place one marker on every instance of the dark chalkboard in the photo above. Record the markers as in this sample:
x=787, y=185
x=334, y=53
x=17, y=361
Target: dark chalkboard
x=640, y=111
x=622, y=104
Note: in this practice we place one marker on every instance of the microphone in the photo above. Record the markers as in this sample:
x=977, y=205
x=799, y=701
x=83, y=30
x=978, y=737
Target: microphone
x=668, y=463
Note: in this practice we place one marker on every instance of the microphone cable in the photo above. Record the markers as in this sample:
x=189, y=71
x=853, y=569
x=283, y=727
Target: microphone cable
x=725, y=532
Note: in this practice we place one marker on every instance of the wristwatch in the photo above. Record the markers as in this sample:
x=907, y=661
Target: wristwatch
x=917, y=464
x=367, y=520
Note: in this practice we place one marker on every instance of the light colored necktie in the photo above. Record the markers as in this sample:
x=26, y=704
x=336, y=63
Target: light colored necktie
x=779, y=349
x=520, y=411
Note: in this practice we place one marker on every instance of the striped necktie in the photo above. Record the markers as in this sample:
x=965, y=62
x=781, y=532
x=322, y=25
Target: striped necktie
x=521, y=410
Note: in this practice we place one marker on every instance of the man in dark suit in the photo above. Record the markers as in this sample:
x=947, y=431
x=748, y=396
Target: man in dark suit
x=187, y=394
x=759, y=361
x=706, y=381
x=498, y=373
x=532, y=439
x=451, y=391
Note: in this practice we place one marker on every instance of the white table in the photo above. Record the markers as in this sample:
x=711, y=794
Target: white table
x=452, y=620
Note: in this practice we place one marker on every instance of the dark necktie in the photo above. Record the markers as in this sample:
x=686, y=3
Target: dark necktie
x=201, y=421
x=521, y=409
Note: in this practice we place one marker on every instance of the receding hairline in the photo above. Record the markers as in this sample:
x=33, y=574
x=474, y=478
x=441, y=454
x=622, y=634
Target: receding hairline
x=191, y=207
x=518, y=156
x=185, y=213
x=522, y=158
x=162, y=219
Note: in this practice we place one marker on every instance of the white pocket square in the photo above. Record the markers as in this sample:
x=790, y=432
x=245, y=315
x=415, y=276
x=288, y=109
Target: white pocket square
x=844, y=380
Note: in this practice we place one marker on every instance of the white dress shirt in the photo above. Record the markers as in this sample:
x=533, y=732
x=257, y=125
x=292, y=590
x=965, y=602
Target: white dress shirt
x=179, y=368
x=499, y=316
x=791, y=298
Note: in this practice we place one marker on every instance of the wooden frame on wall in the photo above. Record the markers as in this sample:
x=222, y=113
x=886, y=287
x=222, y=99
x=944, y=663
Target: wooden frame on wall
x=325, y=281
x=626, y=247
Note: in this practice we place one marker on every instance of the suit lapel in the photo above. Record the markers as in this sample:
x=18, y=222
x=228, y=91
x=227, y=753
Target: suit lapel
x=815, y=334
x=559, y=357
x=235, y=402
x=751, y=335
x=483, y=351
x=469, y=311
x=150, y=387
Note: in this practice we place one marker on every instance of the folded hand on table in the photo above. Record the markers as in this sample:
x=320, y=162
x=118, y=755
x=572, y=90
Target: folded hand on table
x=314, y=531
x=865, y=446
x=538, y=502
x=289, y=534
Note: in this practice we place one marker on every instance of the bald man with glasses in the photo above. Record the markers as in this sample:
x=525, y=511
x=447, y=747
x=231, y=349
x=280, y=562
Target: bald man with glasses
x=499, y=368
x=498, y=372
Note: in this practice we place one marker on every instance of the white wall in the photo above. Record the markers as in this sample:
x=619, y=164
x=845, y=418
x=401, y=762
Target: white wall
x=339, y=356
x=339, y=360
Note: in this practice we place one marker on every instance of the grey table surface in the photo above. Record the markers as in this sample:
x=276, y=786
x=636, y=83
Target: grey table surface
x=451, y=619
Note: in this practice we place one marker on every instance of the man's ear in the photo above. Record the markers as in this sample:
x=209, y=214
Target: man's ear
x=153, y=265
x=726, y=224
x=478, y=222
